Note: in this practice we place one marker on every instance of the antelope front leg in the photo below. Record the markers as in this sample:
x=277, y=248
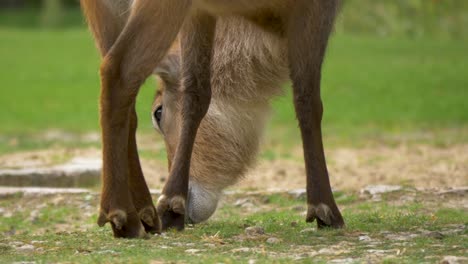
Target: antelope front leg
x=145, y=39
x=197, y=42
x=307, y=45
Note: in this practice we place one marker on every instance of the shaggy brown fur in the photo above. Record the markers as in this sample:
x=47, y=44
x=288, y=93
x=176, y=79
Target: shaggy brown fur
x=134, y=37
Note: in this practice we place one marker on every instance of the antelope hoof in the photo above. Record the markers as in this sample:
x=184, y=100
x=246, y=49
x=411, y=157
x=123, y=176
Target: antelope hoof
x=150, y=220
x=172, y=212
x=325, y=216
x=124, y=225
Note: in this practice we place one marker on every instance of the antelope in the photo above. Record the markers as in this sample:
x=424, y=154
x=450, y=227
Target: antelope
x=213, y=103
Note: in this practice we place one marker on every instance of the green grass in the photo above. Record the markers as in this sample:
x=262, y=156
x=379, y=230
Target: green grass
x=64, y=230
x=370, y=85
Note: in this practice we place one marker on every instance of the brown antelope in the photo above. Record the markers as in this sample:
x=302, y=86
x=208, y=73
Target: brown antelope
x=233, y=57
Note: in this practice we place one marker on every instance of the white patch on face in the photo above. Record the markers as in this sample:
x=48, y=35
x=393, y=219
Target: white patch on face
x=201, y=203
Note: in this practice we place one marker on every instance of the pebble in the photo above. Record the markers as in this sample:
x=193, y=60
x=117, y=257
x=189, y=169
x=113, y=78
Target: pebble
x=243, y=250
x=453, y=260
x=364, y=238
x=25, y=247
x=379, y=189
x=308, y=230
x=193, y=251
x=344, y=261
x=298, y=193
x=273, y=240
x=254, y=230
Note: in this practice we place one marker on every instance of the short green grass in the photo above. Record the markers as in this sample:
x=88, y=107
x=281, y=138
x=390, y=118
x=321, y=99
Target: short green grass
x=371, y=87
x=62, y=228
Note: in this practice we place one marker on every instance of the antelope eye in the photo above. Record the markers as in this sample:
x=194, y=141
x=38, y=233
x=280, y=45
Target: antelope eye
x=158, y=114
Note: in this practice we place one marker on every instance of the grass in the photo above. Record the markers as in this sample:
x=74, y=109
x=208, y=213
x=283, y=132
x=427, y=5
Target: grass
x=371, y=87
x=61, y=228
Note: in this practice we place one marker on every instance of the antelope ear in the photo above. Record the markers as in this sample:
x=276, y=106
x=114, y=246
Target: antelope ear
x=169, y=70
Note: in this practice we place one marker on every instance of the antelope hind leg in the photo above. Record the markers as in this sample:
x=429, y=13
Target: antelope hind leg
x=138, y=188
x=106, y=24
x=143, y=42
x=307, y=45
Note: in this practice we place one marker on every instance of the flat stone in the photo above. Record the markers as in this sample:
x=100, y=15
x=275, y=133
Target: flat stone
x=7, y=191
x=254, y=230
x=273, y=240
x=298, y=193
x=308, y=230
x=344, y=261
x=364, y=238
x=454, y=260
x=379, y=189
x=193, y=251
x=240, y=250
x=455, y=190
x=79, y=172
x=25, y=247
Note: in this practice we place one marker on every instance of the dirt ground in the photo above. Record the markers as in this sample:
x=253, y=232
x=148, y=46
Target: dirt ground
x=414, y=225
x=406, y=226
x=417, y=165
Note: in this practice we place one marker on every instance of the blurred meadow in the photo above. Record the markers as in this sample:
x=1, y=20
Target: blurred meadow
x=394, y=68
x=395, y=92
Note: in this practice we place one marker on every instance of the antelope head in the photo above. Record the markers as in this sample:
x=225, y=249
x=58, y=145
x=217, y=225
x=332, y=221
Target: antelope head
x=225, y=146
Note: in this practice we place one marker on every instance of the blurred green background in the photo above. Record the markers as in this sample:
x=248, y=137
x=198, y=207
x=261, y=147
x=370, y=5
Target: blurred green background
x=395, y=69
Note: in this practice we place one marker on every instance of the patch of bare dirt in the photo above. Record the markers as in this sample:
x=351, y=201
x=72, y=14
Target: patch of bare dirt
x=421, y=165
x=45, y=158
x=354, y=168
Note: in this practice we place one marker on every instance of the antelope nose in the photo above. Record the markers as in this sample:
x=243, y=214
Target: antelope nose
x=201, y=203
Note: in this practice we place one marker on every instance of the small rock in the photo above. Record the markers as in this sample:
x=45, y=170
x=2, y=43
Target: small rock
x=364, y=238
x=378, y=251
x=25, y=247
x=379, y=189
x=242, y=250
x=298, y=193
x=344, y=261
x=193, y=251
x=16, y=243
x=273, y=240
x=455, y=190
x=436, y=235
x=247, y=205
x=210, y=245
x=255, y=230
x=299, y=208
x=453, y=260
x=308, y=230
x=241, y=202
x=327, y=251
x=108, y=251
x=34, y=216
